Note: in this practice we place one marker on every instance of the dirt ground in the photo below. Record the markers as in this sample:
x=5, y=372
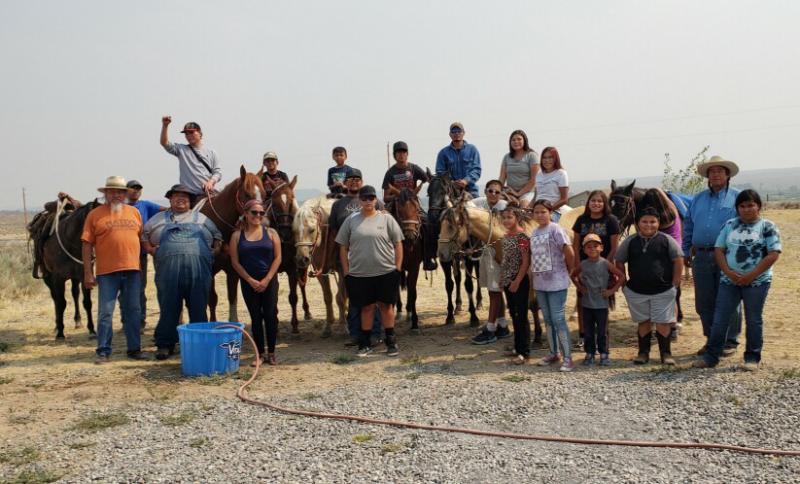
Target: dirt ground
x=42, y=380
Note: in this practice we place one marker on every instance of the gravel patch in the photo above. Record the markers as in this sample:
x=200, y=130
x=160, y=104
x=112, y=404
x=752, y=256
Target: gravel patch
x=223, y=439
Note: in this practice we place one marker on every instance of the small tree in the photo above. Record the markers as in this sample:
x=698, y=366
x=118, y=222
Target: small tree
x=685, y=180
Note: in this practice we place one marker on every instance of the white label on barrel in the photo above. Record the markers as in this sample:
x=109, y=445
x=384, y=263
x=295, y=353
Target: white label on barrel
x=233, y=348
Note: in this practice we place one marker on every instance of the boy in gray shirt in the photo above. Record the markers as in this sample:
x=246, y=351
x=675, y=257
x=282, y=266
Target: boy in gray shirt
x=371, y=254
x=591, y=278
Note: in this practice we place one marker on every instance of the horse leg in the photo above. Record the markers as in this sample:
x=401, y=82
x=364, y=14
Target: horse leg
x=327, y=296
x=533, y=305
x=213, y=299
x=57, y=290
x=447, y=267
x=341, y=300
x=457, y=277
x=87, y=306
x=232, y=282
x=476, y=265
x=292, y=276
x=678, y=302
x=76, y=294
x=469, y=287
x=411, y=292
x=306, y=311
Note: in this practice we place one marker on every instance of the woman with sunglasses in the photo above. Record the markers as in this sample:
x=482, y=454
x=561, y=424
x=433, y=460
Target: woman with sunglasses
x=519, y=168
x=256, y=256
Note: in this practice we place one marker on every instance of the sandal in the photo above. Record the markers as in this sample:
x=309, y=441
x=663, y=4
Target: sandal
x=519, y=360
x=271, y=360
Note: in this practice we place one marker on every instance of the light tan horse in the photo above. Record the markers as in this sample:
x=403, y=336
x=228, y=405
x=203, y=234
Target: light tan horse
x=310, y=227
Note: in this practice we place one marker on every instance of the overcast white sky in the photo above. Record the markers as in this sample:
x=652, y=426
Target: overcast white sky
x=613, y=84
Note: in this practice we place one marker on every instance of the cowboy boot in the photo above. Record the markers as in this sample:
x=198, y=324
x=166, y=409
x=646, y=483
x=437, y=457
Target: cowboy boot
x=644, y=349
x=664, y=348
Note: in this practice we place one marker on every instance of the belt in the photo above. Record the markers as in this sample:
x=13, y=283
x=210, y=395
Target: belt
x=704, y=249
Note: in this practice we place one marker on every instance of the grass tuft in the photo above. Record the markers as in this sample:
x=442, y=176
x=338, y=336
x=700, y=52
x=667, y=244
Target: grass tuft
x=20, y=457
x=343, y=359
x=516, y=378
x=15, y=273
x=362, y=438
x=392, y=447
x=198, y=442
x=100, y=421
x=5, y=380
x=789, y=374
x=413, y=375
x=81, y=445
x=177, y=419
x=35, y=476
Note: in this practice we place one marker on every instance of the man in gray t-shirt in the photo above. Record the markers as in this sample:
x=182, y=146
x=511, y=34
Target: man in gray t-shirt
x=371, y=254
x=198, y=165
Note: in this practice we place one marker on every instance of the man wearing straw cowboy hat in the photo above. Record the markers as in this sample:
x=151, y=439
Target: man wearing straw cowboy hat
x=709, y=211
x=112, y=231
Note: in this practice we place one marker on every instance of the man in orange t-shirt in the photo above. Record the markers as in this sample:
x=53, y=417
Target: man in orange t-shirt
x=113, y=230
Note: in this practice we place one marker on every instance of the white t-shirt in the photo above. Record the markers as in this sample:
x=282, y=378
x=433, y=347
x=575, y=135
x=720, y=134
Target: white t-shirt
x=483, y=203
x=547, y=185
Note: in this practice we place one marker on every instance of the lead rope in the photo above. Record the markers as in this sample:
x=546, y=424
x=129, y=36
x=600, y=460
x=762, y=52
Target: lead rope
x=242, y=394
x=59, y=210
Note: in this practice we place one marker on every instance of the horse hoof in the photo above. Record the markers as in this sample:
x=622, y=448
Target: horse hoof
x=307, y=317
x=78, y=325
x=326, y=333
x=458, y=308
x=474, y=323
x=479, y=305
x=450, y=321
x=60, y=337
x=295, y=330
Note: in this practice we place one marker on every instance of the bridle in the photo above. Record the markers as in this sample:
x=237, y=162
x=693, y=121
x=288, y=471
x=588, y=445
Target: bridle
x=410, y=225
x=239, y=206
x=315, y=245
x=282, y=220
x=629, y=214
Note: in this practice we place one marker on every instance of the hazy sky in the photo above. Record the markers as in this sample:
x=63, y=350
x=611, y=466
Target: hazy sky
x=613, y=84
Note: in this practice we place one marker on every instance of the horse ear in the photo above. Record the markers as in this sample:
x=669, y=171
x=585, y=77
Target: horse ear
x=242, y=172
x=416, y=190
x=293, y=182
x=613, y=185
x=260, y=171
x=428, y=173
x=629, y=188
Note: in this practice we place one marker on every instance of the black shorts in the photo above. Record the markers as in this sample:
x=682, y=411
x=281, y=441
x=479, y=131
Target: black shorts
x=364, y=291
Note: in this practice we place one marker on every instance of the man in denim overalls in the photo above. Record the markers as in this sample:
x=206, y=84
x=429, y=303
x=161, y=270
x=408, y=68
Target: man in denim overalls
x=183, y=243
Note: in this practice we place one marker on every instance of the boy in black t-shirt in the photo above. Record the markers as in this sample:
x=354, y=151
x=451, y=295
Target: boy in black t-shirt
x=655, y=266
x=337, y=174
x=272, y=176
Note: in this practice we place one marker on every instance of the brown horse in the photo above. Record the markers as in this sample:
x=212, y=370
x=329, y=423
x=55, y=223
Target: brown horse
x=406, y=210
x=281, y=209
x=224, y=209
x=61, y=261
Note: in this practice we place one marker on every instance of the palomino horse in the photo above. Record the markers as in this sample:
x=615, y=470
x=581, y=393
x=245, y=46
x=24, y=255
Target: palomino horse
x=406, y=210
x=626, y=201
x=281, y=209
x=442, y=194
x=224, y=209
x=311, y=241
x=61, y=260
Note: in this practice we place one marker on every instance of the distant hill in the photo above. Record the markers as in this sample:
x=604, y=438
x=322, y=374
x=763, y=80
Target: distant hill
x=777, y=183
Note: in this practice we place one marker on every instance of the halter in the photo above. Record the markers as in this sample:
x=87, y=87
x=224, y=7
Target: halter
x=629, y=214
x=315, y=245
x=276, y=216
x=411, y=225
x=239, y=206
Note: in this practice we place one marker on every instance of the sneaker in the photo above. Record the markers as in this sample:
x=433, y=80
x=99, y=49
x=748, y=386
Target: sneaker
x=701, y=363
x=588, y=360
x=750, y=366
x=549, y=360
x=163, y=353
x=578, y=344
x=502, y=332
x=485, y=337
x=519, y=360
x=138, y=355
x=728, y=350
x=568, y=365
x=673, y=334
x=392, y=350
x=102, y=359
x=604, y=360
x=364, y=351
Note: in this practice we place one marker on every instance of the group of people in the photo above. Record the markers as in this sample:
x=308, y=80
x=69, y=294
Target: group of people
x=729, y=246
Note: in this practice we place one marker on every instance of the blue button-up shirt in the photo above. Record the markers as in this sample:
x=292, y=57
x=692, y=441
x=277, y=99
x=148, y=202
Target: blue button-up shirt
x=707, y=214
x=463, y=164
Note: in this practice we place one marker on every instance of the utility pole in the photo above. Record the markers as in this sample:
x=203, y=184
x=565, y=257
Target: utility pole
x=24, y=207
x=388, y=162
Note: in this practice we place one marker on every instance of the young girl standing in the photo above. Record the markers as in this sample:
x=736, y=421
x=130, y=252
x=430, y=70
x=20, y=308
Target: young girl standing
x=551, y=263
x=515, y=282
x=746, y=249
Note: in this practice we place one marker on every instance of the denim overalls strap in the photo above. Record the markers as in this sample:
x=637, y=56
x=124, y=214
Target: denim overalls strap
x=186, y=238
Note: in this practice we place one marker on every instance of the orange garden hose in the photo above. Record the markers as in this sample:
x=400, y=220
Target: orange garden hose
x=242, y=394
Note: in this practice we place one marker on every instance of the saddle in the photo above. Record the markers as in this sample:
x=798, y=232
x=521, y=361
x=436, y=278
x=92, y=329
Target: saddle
x=41, y=228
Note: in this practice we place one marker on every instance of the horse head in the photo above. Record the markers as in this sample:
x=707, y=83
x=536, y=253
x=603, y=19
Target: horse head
x=407, y=214
x=622, y=203
x=439, y=194
x=281, y=209
x=307, y=231
x=454, y=230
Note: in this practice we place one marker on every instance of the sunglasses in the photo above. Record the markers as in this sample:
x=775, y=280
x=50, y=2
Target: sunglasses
x=367, y=198
x=256, y=213
x=456, y=131
x=493, y=192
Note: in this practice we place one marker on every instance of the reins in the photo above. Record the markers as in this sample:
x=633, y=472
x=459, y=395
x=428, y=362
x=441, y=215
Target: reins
x=59, y=210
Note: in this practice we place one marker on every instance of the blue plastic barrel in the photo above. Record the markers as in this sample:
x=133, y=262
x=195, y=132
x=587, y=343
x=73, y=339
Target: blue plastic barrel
x=207, y=350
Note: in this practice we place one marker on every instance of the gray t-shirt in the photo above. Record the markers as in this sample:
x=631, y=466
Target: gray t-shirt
x=192, y=173
x=518, y=172
x=594, y=276
x=155, y=226
x=371, y=243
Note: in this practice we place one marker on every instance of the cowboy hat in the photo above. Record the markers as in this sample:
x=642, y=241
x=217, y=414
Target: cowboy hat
x=716, y=160
x=114, y=183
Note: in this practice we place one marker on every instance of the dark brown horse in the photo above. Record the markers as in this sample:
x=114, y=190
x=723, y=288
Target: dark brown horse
x=406, y=210
x=281, y=209
x=224, y=209
x=61, y=261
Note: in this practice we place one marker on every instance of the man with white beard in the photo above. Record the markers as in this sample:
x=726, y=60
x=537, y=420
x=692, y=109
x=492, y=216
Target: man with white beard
x=112, y=231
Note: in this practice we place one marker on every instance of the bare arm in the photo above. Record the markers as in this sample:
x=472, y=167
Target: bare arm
x=503, y=176
x=614, y=246
x=343, y=249
x=398, y=255
x=620, y=278
x=569, y=257
x=234, y=253
x=766, y=263
x=523, y=270
x=576, y=248
x=88, y=269
x=276, y=261
x=531, y=181
x=564, y=192
x=164, y=126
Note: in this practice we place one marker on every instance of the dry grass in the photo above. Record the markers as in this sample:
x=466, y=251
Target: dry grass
x=15, y=273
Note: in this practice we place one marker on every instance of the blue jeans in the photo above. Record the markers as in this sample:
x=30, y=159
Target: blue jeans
x=354, y=322
x=552, y=304
x=706, y=283
x=555, y=216
x=180, y=278
x=126, y=285
x=728, y=299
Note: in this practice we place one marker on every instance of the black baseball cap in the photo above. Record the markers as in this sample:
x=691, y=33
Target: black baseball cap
x=353, y=173
x=134, y=184
x=191, y=126
x=399, y=146
x=366, y=191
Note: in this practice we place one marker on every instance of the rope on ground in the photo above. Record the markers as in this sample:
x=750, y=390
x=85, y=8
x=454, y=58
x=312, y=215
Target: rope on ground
x=242, y=394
